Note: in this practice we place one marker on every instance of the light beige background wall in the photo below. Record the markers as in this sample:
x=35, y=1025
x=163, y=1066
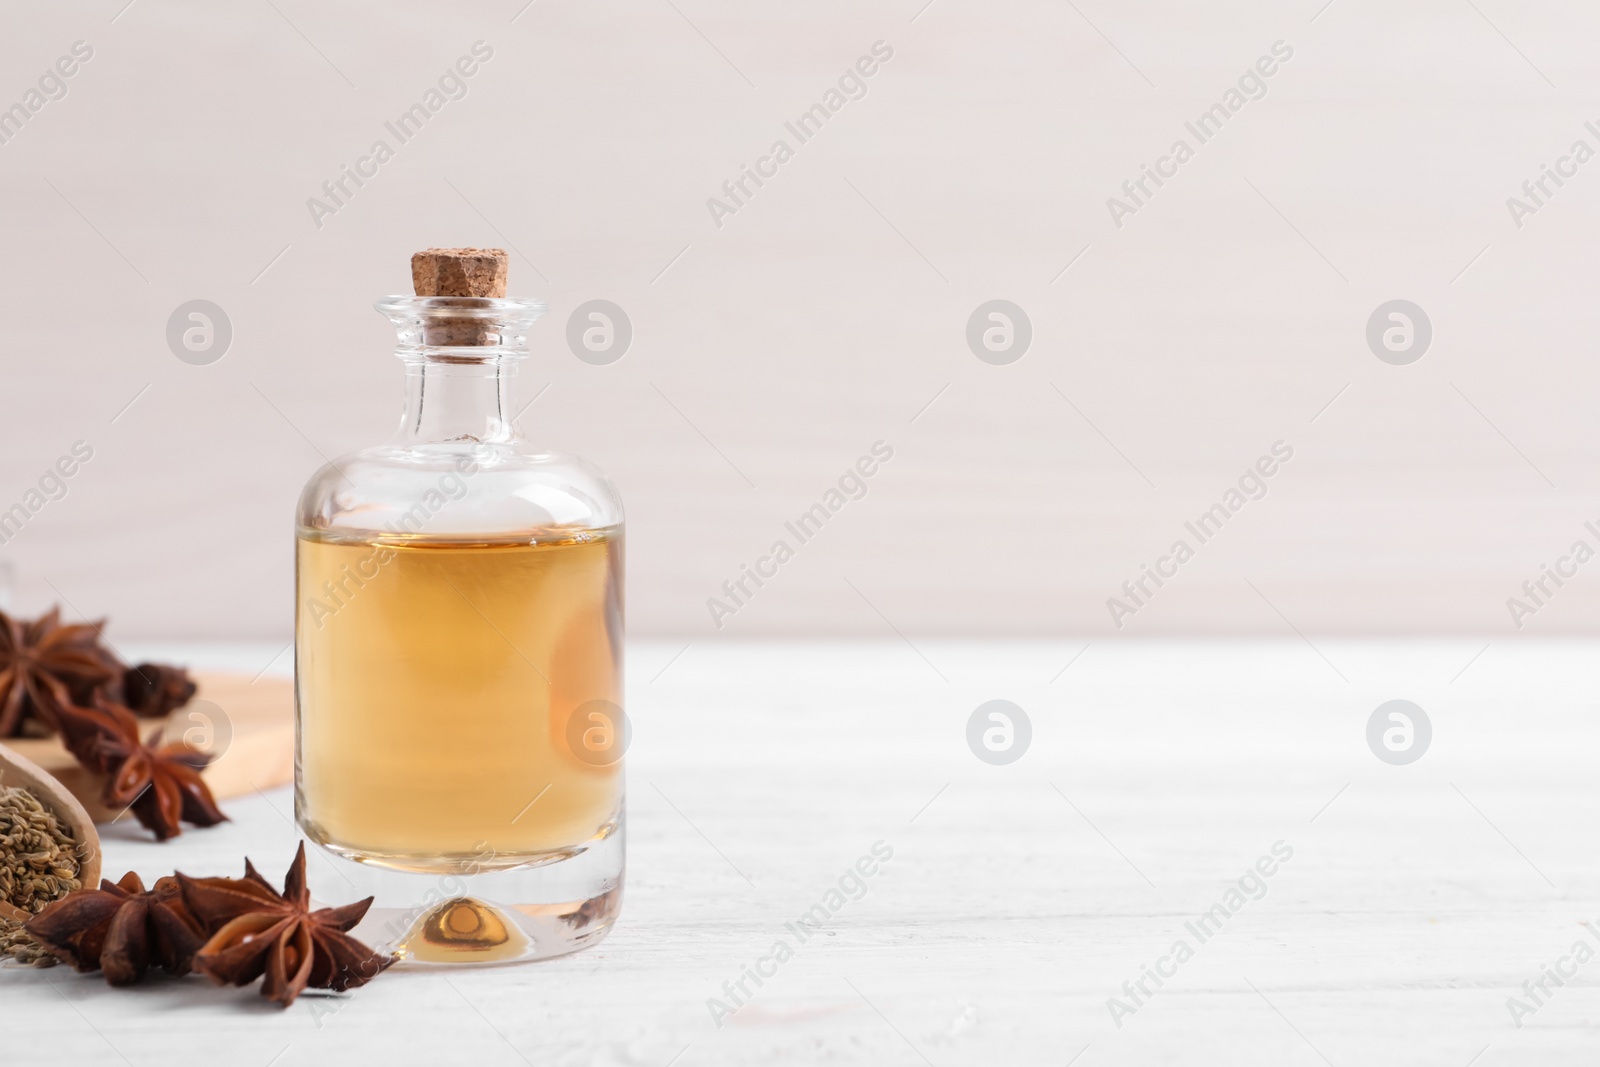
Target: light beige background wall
x=1226, y=315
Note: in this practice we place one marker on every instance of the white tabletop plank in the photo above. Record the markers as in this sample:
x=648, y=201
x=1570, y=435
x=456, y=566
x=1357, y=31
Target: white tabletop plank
x=1019, y=898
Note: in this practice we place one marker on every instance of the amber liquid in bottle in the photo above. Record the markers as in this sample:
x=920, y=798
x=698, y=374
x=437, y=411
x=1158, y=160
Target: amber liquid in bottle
x=438, y=681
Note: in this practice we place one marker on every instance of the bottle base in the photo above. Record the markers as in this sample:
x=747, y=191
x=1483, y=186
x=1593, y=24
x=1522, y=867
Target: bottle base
x=486, y=918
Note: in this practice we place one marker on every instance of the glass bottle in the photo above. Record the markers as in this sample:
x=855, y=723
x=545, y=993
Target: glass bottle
x=458, y=662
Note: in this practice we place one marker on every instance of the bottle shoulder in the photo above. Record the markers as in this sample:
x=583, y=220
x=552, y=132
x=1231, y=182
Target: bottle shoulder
x=458, y=488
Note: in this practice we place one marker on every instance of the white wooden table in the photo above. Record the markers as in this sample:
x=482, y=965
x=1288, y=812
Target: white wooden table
x=1019, y=898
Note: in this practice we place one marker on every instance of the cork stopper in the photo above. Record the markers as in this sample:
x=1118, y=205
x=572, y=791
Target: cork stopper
x=460, y=272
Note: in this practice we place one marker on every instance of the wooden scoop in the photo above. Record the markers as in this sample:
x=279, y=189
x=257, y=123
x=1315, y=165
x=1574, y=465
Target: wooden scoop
x=17, y=770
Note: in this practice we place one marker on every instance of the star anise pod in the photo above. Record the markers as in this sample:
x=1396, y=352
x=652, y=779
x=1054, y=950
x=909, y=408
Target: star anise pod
x=152, y=690
x=43, y=663
x=258, y=931
x=121, y=928
x=160, y=782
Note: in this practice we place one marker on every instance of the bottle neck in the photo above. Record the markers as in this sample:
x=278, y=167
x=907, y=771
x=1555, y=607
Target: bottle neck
x=449, y=400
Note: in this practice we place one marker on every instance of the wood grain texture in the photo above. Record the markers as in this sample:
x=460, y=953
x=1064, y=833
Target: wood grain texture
x=252, y=722
x=1018, y=898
